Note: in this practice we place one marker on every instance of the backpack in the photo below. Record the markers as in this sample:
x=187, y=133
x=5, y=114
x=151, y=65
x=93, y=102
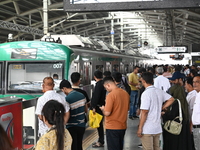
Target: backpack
x=127, y=87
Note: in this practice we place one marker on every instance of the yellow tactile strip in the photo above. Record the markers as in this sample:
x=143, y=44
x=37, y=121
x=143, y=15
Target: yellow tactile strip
x=91, y=138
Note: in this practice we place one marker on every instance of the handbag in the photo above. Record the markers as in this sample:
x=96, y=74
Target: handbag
x=172, y=126
x=94, y=119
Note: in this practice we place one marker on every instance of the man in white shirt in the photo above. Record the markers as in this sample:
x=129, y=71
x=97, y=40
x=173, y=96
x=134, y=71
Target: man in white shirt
x=49, y=94
x=191, y=96
x=160, y=81
x=187, y=70
x=196, y=113
x=152, y=100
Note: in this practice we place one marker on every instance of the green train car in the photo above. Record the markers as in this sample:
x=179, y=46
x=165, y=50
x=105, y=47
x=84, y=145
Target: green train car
x=24, y=64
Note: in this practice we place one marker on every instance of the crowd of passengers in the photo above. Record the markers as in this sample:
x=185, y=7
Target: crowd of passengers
x=155, y=102
x=149, y=95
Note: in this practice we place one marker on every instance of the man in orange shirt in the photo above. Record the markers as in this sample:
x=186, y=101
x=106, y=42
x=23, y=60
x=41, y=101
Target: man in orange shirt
x=115, y=112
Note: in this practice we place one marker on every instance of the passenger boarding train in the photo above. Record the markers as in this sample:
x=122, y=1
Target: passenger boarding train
x=24, y=64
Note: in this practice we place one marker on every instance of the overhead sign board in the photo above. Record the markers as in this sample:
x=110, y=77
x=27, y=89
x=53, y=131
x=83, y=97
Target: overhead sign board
x=196, y=60
x=180, y=49
x=126, y=5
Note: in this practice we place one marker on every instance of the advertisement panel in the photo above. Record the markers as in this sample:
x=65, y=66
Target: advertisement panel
x=11, y=121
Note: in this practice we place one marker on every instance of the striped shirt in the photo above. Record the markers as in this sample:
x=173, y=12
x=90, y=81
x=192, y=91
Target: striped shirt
x=77, y=102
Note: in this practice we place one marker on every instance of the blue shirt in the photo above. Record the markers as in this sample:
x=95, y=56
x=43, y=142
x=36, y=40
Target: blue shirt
x=77, y=103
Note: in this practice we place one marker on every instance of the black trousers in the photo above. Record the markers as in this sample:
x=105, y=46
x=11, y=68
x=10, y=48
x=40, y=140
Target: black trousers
x=101, y=132
x=77, y=137
x=115, y=139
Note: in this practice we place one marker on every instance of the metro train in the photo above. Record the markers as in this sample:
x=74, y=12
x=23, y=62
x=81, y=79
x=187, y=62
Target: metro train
x=24, y=64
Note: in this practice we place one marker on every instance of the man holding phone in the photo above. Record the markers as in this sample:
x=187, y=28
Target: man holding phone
x=115, y=112
x=98, y=98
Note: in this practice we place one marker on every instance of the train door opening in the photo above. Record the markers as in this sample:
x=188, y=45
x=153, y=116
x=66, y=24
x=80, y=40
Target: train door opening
x=76, y=67
x=108, y=66
x=115, y=68
x=122, y=67
x=131, y=67
x=86, y=73
x=100, y=68
x=126, y=69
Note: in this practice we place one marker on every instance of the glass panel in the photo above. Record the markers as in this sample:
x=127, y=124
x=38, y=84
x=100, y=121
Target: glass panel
x=29, y=76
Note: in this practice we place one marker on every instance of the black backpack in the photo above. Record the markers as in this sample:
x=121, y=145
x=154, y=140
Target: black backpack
x=127, y=87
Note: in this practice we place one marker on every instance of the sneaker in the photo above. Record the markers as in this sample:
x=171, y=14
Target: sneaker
x=140, y=146
x=131, y=118
x=135, y=117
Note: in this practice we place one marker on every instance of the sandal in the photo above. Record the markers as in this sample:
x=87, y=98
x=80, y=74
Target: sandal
x=94, y=143
x=97, y=144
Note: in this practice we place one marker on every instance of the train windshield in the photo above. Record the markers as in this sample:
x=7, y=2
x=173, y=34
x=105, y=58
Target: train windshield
x=28, y=76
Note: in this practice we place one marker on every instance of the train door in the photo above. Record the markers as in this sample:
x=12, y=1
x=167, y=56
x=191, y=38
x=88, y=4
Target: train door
x=86, y=73
x=126, y=68
x=100, y=68
x=122, y=67
x=115, y=68
x=76, y=67
x=131, y=67
x=108, y=66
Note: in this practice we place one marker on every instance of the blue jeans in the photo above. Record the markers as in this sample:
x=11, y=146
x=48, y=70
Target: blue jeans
x=133, y=103
x=115, y=139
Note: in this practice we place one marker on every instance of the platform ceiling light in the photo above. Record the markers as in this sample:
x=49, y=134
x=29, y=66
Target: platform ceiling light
x=10, y=36
x=49, y=2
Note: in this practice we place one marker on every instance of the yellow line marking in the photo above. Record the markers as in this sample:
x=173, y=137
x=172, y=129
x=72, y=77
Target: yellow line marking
x=90, y=139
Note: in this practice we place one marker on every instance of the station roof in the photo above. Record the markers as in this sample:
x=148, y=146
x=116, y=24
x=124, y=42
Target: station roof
x=24, y=19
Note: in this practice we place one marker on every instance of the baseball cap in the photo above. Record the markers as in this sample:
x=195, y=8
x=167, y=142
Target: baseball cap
x=177, y=75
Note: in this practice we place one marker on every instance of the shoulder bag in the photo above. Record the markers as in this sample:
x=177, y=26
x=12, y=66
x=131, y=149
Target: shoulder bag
x=173, y=126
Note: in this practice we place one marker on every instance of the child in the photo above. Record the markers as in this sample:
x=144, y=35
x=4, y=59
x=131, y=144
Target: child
x=57, y=137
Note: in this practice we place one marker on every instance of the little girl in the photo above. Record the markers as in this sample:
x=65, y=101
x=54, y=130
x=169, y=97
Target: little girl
x=57, y=137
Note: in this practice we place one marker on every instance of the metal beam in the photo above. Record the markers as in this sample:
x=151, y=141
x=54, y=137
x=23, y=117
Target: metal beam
x=56, y=5
x=16, y=7
x=7, y=1
x=20, y=28
x=130, y=6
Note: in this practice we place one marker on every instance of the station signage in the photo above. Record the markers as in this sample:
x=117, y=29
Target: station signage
x=176, y=49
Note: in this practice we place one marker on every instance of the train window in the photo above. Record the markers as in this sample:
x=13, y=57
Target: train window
x=28, y=76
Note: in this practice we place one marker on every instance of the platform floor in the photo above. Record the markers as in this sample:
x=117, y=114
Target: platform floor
x=131, y=140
